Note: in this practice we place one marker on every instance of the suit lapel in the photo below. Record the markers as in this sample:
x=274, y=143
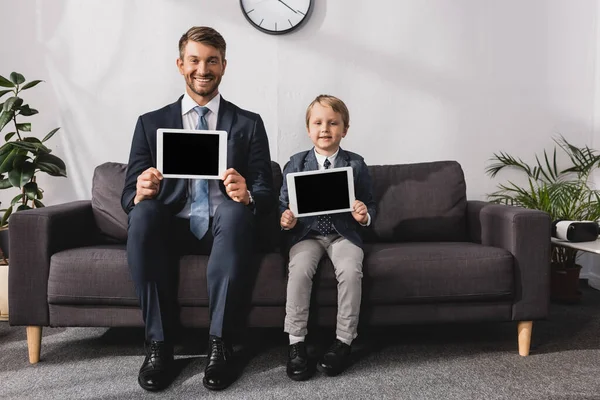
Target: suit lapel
x=342, y=159
x=174, y=118
x=225, y=117
x=310, y=161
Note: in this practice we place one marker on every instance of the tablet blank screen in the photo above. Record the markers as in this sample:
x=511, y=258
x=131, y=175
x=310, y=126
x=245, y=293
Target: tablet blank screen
x=322, y=192
x=190, y=153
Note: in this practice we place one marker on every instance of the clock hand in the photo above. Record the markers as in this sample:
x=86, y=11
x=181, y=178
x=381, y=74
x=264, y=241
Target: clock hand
x=288, y=6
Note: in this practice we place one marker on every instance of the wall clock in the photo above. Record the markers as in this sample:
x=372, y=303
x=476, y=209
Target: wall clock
x=276, y=17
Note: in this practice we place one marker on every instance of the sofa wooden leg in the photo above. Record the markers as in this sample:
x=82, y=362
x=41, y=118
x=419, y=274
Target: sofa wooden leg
x=34, y=343
x=524, y=330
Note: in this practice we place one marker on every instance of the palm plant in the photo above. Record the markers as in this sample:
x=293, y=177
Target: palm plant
x=565, y=194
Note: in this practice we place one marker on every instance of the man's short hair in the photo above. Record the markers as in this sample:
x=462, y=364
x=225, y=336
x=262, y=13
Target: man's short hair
x=205, y=35
x=336, y=104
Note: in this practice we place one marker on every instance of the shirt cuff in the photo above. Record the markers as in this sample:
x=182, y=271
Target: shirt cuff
x=368, y=220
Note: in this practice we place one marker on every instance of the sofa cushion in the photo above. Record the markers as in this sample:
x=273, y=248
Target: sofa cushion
x=107, y=187
x=98, y=275
x=423, y=202
x=437, y=272
x=393, y=274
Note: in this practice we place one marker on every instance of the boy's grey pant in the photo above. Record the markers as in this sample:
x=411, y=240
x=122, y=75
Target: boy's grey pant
x=347, y=259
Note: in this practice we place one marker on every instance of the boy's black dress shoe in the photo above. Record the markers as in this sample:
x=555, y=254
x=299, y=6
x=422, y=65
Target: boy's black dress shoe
x=336, y=359
x=297, y=365
x=218, y=373
x=156, y=371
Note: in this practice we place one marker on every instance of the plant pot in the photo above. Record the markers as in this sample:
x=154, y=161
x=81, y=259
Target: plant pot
x=564, y=283
x=4, y=242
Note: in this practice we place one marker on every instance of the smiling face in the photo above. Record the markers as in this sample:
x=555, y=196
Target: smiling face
x=202, y=67
x=326, y=129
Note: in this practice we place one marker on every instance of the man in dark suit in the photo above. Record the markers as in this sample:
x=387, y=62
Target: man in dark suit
x=172, y=217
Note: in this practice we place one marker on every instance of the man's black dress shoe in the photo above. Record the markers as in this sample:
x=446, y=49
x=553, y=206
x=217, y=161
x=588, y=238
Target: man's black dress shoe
x=156, y=371
x=297, y=365
x=336, y=359
x=218, y=373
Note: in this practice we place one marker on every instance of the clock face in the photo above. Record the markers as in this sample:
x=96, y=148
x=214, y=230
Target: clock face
x=276, y=16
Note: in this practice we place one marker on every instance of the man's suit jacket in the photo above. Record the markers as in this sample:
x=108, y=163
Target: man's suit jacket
x=247, y=152
x=344, y=223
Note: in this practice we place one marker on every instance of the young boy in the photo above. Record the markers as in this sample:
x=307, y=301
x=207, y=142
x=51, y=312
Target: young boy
x=337, y=235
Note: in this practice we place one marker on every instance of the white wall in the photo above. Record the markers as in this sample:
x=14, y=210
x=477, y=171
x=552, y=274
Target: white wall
x=424, y=80
x=591, y=262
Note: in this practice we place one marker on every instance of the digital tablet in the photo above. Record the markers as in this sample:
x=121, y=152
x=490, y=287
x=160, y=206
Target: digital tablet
x=321, y=192
x=191, y=154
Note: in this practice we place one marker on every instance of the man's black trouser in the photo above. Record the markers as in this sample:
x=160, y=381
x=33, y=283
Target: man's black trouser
x=155, y=241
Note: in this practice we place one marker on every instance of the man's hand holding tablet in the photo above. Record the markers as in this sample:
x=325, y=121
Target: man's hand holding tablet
x=148, y=185
x=235, y=186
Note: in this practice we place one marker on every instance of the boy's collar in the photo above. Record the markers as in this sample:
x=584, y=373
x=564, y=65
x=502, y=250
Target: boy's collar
x=322, y=157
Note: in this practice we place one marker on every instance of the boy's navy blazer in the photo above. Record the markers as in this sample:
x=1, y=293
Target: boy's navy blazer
x=344, y=223
x=247, y=152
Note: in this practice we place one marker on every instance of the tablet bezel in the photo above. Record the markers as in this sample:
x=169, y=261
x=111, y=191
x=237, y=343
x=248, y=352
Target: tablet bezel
x=293, y=202
x=222, y=152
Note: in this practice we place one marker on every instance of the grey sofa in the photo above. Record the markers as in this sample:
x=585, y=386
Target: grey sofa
x=431, y=257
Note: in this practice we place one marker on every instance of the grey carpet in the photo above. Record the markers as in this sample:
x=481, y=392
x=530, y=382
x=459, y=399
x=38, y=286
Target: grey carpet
x=474, y=361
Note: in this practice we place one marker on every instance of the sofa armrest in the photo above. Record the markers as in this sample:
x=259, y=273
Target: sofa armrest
x=34, y=236
x=526, y=234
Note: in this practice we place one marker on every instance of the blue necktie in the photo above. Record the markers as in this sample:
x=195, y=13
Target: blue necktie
x=324, y=224
x=200, y=209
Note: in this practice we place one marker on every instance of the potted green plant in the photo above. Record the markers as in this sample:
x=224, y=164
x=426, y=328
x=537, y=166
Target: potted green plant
x=565, y=194
x=22, y=157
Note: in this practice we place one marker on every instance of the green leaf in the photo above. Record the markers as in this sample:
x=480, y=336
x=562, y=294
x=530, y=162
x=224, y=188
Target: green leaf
x=8, y=136
x=16, y=199
x=38, y=145
x=38, y=203
x=17, y=78
x=24, y=145
x=5, y=82
x=20, y=159
x=23, y=207
x=26, y=127
x=3, y=92
x=20, y=176
x=6, y=215
x=5, y=184
x=26, y=111
x=51, y=164
x=6, y=161
x=5, y=118
x=6, y=147
x=49, y=135
x=12, y=104
x=31, y=84
x=40, y=194
x=31, y=189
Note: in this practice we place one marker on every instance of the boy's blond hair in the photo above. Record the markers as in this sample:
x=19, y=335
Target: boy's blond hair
x=336, y=105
